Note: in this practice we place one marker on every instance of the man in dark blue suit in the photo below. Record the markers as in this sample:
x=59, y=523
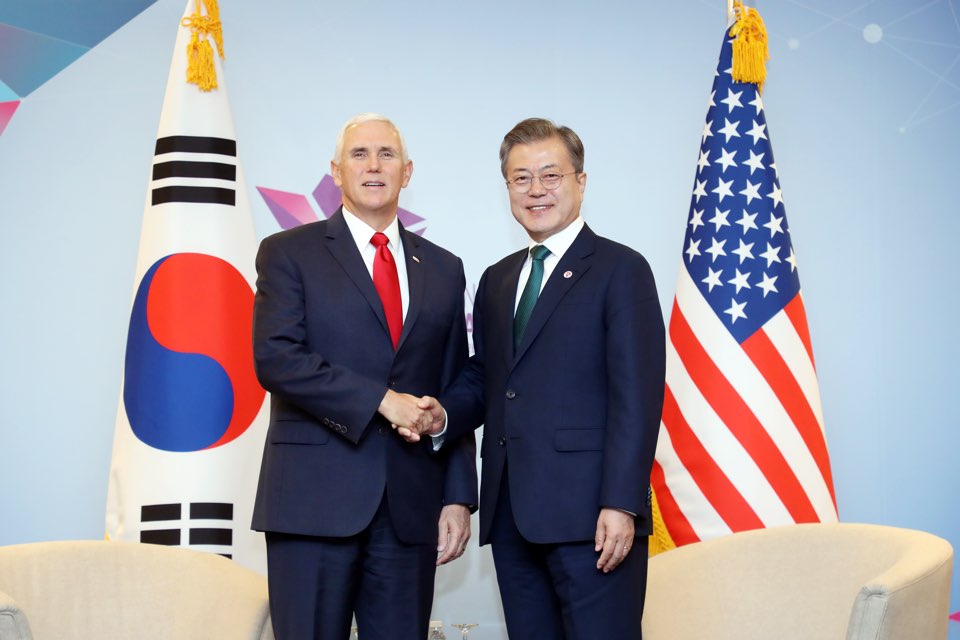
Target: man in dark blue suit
x=354, y=319
x=568, y=380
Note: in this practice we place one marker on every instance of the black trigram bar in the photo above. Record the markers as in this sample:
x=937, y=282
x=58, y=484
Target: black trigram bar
x=211, y=536
x=211, y=511
x=196, y=144
x=159, y=512
x=169, y=537
x=209, y=195
x=171, y=513
x=195, y=169
x=185, y=169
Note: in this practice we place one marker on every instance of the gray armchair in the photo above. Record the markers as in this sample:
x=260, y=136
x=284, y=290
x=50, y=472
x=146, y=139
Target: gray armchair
x=803, y=582
x=127, y=591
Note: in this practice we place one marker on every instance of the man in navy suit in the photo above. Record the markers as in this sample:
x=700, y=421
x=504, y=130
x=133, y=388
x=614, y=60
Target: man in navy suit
x=354, y=319
x=568, y=380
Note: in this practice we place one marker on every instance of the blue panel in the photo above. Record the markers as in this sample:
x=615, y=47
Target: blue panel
x=6, y=93
x=27, y=59
x=82, y=23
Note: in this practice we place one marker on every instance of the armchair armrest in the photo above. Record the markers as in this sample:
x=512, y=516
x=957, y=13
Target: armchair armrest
x=13, y=622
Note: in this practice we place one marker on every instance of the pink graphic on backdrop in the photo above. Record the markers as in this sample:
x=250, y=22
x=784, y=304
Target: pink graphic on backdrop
x=293, y=209
x=6, y=112
x=290, y=209
x=955, y=616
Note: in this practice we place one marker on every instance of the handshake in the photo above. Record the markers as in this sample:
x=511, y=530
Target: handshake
x=411, y=416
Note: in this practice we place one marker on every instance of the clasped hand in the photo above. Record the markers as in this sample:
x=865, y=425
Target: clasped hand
x=412, y=417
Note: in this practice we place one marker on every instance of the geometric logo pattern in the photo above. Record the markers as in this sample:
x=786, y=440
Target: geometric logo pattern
x=39, y=39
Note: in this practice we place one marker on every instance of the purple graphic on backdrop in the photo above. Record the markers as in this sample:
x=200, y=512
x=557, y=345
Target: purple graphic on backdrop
x=294, y=209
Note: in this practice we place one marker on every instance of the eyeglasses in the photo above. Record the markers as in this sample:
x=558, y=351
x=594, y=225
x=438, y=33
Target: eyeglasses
x=550, y=181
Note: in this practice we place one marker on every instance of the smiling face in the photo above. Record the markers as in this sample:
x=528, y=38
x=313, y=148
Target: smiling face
x=371, y=171
x=545, y=212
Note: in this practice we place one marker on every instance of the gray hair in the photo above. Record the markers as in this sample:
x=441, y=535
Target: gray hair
x=536, y=129
x=360, y=119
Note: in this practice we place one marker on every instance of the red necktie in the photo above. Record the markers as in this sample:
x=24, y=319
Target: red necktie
x=388, y=286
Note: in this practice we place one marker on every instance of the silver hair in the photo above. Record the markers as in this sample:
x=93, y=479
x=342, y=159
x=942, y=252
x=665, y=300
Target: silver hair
x=360, y=119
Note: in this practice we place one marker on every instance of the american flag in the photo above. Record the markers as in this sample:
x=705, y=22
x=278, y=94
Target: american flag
x=741, y=441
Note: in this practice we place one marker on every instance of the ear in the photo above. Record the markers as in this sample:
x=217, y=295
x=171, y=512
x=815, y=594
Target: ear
x=582, y=184
x=335, y=172
x=407, y=172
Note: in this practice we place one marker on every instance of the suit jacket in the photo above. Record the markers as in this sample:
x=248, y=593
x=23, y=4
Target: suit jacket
x=322, y=349
x=576, y=409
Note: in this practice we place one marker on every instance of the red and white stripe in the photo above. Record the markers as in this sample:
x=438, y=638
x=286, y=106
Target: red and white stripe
x=741, y=443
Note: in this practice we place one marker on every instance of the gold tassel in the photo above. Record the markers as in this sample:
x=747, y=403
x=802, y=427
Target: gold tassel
x=660, y=539
x=750, y=52
x=200, y=68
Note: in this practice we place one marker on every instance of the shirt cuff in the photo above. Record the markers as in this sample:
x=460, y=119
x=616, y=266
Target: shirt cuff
x=438, y=438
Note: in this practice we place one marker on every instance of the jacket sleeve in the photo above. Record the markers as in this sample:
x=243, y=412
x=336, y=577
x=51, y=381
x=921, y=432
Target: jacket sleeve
x=461, y=479
x=635, y=363
x=464, y=398
x=336, y=396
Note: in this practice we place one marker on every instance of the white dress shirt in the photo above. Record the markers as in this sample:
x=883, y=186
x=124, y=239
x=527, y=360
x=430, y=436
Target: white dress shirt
x=558, y=244
x=362, y=233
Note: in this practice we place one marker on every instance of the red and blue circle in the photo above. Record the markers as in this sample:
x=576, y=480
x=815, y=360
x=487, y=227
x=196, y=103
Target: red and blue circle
x=189, y=381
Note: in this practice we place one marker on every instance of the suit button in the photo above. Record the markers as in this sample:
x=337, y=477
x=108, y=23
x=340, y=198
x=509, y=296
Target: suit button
x=511, y=394
x=502, y=441
x=392, y=383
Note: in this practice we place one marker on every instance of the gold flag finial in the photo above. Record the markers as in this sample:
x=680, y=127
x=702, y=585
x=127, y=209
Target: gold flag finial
x=200, y=68
x=750, y=52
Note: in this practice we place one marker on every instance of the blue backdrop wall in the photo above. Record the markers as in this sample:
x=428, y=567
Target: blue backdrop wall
x=862, y=103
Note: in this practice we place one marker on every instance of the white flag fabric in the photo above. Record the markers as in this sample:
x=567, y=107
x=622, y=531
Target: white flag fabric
x=192, y=417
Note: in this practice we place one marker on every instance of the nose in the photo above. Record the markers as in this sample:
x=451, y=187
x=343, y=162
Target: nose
x=536, y=188
x=373, y=163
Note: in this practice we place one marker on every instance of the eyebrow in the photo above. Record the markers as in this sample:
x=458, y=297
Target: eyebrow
x=543, y=168
x=384, y=148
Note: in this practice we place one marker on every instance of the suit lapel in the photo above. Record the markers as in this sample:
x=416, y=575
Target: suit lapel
x=415, y=280
x=506, y=297
x=571, y=267
x=342, y=246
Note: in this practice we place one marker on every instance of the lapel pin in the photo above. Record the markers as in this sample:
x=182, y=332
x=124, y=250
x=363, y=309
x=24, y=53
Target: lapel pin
x=415, y=259
x=568, y=274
